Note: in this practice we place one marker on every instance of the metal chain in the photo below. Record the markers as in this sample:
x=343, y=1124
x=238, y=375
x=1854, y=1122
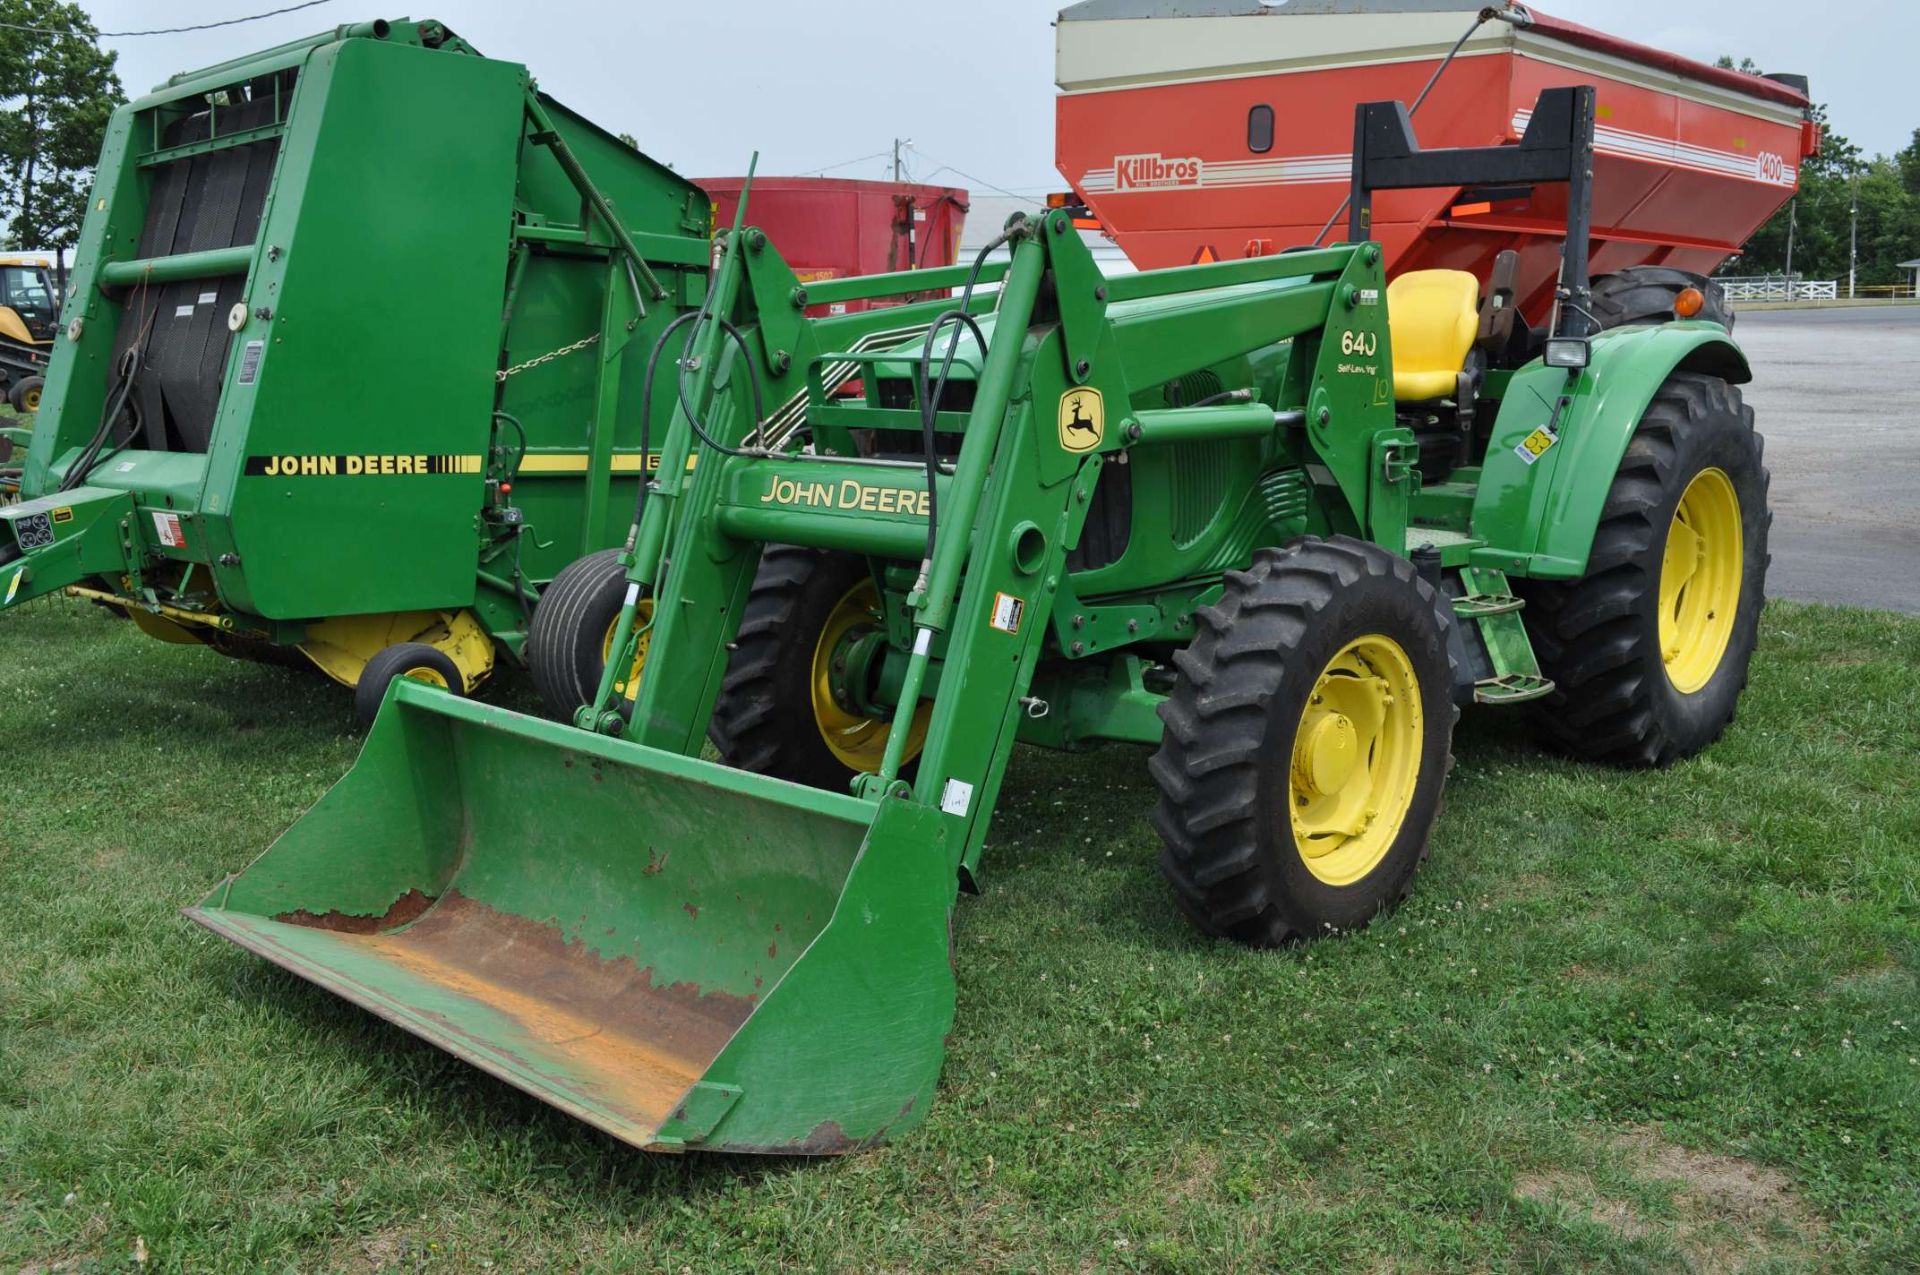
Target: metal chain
x=548, y=357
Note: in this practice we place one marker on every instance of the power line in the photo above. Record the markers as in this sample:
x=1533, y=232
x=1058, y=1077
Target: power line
x=978, y=181
x=845, y=163
x=127, y=35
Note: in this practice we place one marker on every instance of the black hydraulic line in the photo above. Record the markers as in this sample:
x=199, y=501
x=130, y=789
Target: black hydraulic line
x=90, y=454
x=646, y=411
x=930, y=396
x=960, y=317
x=753, y=383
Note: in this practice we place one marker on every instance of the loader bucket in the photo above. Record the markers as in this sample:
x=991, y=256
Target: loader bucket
x=682, y=955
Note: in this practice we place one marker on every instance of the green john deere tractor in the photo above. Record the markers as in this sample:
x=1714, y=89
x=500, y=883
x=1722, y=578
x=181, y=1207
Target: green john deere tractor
x=1229, y=512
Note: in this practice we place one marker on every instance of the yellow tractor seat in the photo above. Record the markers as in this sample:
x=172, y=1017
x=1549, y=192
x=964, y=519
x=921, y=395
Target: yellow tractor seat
x=1434, y=316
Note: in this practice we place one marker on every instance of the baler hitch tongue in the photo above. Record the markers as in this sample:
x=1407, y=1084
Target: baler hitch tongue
x=754, y=966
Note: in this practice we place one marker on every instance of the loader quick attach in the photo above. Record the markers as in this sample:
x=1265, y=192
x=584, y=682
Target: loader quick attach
x=1232, y=512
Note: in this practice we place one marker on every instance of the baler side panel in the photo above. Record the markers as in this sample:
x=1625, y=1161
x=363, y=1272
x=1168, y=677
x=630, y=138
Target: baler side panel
x=378, y=382
x=560, y=301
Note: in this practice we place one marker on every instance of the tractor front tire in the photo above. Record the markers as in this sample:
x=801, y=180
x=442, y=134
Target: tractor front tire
x=403, y=659
x=1649, y=650
x=25, y=394
x=777, y=714
x=1308, y=737
x=572, y=631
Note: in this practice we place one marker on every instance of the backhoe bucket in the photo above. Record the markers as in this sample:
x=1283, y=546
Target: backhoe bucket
x=683, y=955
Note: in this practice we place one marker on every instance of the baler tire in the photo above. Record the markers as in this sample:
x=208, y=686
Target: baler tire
x=566, y=643
x=764, y=720
x=1598, y=637
x=1234, y=726
x=402, y=659
x=24, y=396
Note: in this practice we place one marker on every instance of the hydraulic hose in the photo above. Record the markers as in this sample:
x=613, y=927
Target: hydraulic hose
x=646, y=410
x=960, y=317
x=90, y=454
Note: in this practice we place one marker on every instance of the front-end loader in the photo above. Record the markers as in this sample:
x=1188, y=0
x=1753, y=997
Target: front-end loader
x=1263, y=517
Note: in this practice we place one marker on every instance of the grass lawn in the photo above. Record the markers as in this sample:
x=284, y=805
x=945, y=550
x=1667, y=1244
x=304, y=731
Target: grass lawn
x=1625, y=1022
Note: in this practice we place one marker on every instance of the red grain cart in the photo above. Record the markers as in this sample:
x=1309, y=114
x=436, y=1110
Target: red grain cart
x=830, y=227
x=1199, y=129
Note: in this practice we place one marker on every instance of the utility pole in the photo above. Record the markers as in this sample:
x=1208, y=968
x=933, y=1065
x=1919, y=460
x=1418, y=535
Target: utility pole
x=1853, y=238
x=1793, y=220
x=899, y=142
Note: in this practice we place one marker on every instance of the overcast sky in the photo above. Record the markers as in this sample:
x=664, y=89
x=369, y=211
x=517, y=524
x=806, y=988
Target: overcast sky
x=971, y=82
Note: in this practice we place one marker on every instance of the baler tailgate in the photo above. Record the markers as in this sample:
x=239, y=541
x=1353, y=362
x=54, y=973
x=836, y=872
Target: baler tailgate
x=478, y=879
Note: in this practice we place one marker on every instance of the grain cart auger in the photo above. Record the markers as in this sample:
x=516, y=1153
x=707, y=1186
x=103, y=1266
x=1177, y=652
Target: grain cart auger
x=1180, y=508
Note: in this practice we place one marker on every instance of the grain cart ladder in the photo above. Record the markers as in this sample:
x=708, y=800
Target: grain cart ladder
x=1178, y=508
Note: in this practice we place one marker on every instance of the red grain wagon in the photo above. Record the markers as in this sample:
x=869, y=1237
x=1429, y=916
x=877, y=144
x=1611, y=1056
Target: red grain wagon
x=1199, y=129
x=830, y=227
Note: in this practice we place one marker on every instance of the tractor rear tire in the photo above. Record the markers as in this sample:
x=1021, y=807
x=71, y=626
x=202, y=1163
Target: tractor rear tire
x=1308, y=738
x=1646, y=294
x=1634, y=687
x=767, y=720
x=25, y=394
x=572, y=626
x=403, y=659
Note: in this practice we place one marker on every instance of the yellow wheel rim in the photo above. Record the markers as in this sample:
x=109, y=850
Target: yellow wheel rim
x=1356, y=760
x=430, y=676
x=858, y=742
x=629, y=686
x=1700, y=575
x=30, y=401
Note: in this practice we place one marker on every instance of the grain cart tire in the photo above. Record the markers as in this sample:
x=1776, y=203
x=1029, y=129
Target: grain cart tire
x=1646, y=294
x=25, y=394
x=778, y=712
x=403, y=659
x=1649, y=650
x=1319, y=687
x=572, y=631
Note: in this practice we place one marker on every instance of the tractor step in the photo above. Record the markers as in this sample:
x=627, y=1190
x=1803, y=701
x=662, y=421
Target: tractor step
x=1516, y=688
x=1511, y=673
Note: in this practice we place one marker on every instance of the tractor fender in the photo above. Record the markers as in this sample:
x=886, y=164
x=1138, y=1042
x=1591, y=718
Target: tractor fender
x=1539, y=519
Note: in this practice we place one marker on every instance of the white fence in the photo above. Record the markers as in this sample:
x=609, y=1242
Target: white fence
x=1779, y=288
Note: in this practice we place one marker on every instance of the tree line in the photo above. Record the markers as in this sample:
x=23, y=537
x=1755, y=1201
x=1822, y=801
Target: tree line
x=57, y=92
x=1820, y=224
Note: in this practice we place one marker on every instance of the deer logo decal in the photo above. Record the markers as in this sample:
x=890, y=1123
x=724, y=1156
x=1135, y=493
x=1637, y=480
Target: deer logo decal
x=1083, y=419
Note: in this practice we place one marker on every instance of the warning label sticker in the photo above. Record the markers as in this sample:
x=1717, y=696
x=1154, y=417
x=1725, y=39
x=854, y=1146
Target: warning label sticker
x=167, y=527
x=250, y=362
x=1535, y=445
x=1007, y=611
x=957, y=797
x=33, y=531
